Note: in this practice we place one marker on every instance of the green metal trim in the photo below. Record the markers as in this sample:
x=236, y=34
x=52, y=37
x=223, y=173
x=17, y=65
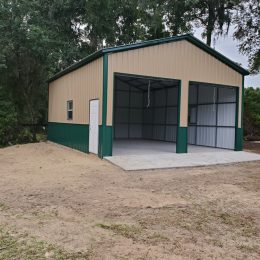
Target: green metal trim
x=212, y=84
x=182, y=143
x=77, y=65
x=113, y=109
x=217, y=55
x=75, y=136
x=182, y=132
x=105, y=132
x=139, y=76
x=239, y=130
x=187, y=37
x=144, y=44
x=106, y=141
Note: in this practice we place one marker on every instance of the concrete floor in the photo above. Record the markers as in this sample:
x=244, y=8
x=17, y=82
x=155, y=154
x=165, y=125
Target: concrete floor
x=144, y=155
x=141, y=147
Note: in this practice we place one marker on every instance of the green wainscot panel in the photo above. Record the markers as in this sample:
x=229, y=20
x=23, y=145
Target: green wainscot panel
x=75, y=136
x=105, y=141
x=182, y=136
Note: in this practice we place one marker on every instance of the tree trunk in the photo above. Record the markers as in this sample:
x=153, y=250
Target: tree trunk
x=210, y=24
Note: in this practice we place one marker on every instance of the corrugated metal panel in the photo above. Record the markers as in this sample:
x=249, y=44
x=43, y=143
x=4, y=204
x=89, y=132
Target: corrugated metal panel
x=147, y=131
x=172, y=115
x=172, y=97
x=135, y=131
x=171, y=133
x=207, y=114
x=178, y=60
x=143, y=122
x=122, y=98
x=193, y=115
x=226, y=114
x=136, y=99
x=160, y=97
x=226, y=137
x=136, y=115
x=122, y=85
x=158, y=132
x=159, y=115
x=121, y=131
x=81, y=86
x=148, y=116
x=145, y=96
x=192, y=135
x=206, y=136
x=227, y=95
x=193, y=94
x=75, y=136
x=207, y=94
x=121, y=115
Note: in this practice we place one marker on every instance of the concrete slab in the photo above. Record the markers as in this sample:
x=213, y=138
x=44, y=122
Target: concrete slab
x=141, y=147
x=173, y=160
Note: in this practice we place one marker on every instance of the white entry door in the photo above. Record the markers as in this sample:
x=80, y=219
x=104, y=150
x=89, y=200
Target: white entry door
x=93, y=126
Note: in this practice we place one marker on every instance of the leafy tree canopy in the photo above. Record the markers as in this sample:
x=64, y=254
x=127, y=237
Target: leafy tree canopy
x=247, y=23
x=42, y=37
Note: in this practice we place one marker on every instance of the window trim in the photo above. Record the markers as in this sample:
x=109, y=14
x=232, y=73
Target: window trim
x=69, y=110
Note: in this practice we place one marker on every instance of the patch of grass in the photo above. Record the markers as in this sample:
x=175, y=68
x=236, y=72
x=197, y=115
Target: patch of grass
x=158, y=238
x=137, y=233
x=248, y=249
x=41, y=137
x=128, y=231
x=45, y=214
x=195, y=218
x=16, y=247
x=246, y=224
x=3, y=206
x=206, y=218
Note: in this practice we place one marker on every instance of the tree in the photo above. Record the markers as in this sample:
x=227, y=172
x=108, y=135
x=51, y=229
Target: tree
x=8, y=120
x=252, y=112
x=111, y=22
x=214, y=16
x=178, y=16
x=37, y=39
x=247, y=31
x=163, y=18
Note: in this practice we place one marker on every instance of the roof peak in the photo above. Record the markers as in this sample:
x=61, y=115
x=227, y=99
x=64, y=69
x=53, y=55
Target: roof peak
x=189, y=37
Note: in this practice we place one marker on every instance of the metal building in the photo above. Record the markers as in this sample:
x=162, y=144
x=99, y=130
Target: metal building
x=172, y=93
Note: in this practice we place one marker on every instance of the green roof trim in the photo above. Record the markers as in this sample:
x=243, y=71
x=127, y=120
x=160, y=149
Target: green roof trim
x=144, y=44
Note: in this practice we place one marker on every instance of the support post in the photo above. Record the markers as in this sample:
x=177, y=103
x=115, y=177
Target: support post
x=239, y=114
x=105, y=131
x=182, y=130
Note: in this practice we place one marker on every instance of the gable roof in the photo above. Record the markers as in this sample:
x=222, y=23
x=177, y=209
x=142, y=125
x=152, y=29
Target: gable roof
x=144, y=44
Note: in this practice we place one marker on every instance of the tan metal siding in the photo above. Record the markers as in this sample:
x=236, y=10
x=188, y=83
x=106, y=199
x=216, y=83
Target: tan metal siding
x=179, y=60
x=81, y=86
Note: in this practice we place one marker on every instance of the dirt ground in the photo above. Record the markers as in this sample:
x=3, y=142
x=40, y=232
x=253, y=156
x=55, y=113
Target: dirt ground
x=252, y=146
x=87, y=206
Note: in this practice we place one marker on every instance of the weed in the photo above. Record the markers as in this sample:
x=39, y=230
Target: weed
x=13, y=246
x=128, y=231
x=3, y=206
x=157, y=238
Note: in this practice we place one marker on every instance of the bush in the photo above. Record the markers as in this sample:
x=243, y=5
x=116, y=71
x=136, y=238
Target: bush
x=252, y=113
x=8, y=123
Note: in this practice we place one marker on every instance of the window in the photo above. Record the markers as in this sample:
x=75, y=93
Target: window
x=70, y=110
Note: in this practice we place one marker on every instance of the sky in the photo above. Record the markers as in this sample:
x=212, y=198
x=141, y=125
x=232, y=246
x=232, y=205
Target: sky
x=228, y=47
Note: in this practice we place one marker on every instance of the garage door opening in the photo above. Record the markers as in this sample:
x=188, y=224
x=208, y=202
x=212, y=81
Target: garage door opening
x=145, y=115
x=212, y=116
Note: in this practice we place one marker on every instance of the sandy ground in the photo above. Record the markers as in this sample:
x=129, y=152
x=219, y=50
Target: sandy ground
x=82, y=203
